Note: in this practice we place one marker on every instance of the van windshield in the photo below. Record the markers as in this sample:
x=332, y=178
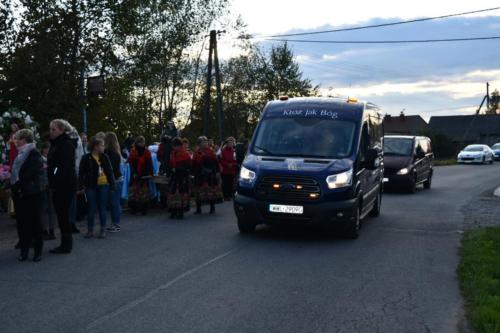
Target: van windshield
x=496, y=146
x=304, y=137
x=398, y=146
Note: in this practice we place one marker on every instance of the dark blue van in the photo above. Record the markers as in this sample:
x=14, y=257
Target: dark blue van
x=313, y=161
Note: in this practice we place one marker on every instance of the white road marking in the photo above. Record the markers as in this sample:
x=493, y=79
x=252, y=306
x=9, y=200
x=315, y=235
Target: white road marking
x=153, y=292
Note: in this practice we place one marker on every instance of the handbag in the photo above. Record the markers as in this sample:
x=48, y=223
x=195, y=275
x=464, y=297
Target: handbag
x=11, y=210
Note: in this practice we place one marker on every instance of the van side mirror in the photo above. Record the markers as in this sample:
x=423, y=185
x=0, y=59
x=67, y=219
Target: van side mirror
x=420, y=153
x=371, y=159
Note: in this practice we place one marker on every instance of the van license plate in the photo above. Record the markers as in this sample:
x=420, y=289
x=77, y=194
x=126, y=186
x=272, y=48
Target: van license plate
x=286, y=209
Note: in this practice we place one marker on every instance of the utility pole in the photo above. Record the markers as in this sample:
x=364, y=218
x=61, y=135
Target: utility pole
x=220, y=114
x=206, y=109
x=487, y=95
x=212, y=53
x=83, y=102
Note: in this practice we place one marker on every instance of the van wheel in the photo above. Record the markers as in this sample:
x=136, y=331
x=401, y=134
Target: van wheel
x=351, y=228
x=484, y=160
x=245, y=226
x=428, y=182
x=377, y=205
x=491, y=161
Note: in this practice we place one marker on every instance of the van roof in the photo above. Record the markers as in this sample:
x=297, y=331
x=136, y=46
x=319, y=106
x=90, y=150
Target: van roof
x=329, y=102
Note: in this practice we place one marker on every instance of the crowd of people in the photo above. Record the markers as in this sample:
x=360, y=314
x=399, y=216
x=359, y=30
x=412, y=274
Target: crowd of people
x=72, y=177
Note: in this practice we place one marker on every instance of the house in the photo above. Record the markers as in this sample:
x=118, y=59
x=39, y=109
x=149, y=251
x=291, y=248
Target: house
x=404, y=125
x=484, y=129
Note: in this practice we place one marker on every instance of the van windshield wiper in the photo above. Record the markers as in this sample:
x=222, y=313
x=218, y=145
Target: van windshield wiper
x=264, y=150
x=312, y=156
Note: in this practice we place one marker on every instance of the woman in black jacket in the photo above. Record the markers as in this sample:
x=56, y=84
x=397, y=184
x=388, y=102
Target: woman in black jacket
x=96, y=180
x=62, y=180
x=27, y=194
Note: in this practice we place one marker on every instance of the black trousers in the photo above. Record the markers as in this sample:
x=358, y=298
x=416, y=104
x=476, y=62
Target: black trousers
x=29, y=222
x=62, y=202
x=227, y=185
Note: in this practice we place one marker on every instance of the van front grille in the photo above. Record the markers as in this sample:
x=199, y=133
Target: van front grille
x=288, y=188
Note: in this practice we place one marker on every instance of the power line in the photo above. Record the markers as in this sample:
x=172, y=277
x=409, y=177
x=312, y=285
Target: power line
x=384, y=24
x=382, y=41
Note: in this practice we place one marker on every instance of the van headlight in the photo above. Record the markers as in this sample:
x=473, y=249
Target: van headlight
x=247, y=176
x=403, y=171
x=339, y=180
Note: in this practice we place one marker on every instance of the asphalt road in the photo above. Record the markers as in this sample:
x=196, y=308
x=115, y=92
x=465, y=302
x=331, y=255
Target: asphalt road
x=200, y=275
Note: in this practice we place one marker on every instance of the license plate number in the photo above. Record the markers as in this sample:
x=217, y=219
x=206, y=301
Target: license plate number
x=285, y=209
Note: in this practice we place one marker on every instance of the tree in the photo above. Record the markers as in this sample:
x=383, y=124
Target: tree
x=249, y=82
x=157, y=38
x=7, y=37
x=55, y=41
x=494, y=101
x=143, y=47
x=282, y=75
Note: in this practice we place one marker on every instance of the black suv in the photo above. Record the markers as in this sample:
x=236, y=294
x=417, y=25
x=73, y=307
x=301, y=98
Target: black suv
x=408, y=162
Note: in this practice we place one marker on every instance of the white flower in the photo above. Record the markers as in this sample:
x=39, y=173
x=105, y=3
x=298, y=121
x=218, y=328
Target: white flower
x=28, y=120
x=23, y=113
x=6, y=115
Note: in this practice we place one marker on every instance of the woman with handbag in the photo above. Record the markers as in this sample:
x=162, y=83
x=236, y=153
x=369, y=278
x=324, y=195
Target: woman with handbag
x=27, y=194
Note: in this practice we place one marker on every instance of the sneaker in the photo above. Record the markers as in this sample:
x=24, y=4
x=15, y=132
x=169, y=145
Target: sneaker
x=89, y=234
x=102, y=234
x=117, y=227
x=113, y=228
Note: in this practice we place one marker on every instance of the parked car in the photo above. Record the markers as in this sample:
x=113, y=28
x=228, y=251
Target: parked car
x=496, y=151
x=408, y=162
x=476, y=154
x=313, y=161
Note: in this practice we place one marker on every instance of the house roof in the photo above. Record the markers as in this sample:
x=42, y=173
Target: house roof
x=466, y=128
x=403, y=124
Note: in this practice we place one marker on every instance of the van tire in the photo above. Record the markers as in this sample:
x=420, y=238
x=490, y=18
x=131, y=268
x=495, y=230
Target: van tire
x=376, y=206
x=246, y=226
x=428, y=182
x=351, y=228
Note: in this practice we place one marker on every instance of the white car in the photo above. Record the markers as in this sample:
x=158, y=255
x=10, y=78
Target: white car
x=476, y=154
x=496, y=150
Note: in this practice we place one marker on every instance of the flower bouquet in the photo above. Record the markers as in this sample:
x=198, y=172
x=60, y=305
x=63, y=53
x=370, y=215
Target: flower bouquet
x=4, y=180
x=21, y=118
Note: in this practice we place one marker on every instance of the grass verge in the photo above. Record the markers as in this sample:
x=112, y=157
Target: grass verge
x=445, y=161
x=479, y=275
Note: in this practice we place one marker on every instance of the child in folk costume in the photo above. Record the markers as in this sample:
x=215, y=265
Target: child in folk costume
x=141, y=169
x=205, y=169
x=228, y=166
x=180, y=166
